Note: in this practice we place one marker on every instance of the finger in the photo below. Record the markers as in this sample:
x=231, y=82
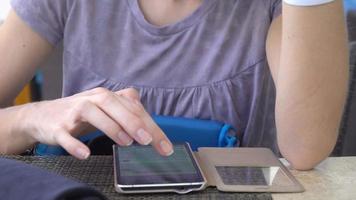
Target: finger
x=72, y=145
x=159, y=139
x=130, y=93
x=96, y=117
x=90, y=92
x=132, y=124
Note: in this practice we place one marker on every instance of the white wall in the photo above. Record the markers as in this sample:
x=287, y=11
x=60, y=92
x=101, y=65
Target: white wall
x=4, y=9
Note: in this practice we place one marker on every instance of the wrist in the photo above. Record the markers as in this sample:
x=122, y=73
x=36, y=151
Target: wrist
x=14, y=135
x=25, y=123
x=307, y=2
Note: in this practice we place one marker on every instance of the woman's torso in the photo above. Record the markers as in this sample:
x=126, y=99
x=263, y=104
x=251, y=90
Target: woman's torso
x=210, y=65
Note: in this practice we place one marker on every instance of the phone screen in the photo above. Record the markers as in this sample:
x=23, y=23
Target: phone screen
x=140, y=165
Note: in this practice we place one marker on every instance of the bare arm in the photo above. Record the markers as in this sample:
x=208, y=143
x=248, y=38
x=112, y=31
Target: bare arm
x=120, y=115
x=21, y=52
x=308, y=56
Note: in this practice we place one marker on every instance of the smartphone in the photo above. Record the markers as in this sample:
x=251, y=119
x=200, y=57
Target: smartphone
x=140, y=169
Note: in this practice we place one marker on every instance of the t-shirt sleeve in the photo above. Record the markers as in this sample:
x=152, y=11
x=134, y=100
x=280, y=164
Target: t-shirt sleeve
x=276, y=8
x=46, y=17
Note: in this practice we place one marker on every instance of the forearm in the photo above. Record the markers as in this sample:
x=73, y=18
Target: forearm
x=311, y=83
x=22, y=50
x=13, y=139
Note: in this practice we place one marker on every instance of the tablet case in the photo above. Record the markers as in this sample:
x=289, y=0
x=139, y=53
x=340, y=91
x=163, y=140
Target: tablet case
x=237, y=170
x=226, y=169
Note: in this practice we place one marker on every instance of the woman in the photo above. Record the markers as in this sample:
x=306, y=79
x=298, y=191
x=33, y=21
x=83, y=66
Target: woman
x=282, y=82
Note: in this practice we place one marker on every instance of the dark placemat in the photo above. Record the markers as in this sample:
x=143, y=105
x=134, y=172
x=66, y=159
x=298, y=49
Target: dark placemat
x=97, y=171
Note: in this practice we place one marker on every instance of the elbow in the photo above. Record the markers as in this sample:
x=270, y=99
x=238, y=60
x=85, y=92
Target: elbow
x=303, y=164
x=306, y=159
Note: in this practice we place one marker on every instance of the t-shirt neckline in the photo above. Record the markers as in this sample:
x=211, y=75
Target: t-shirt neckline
x=176, y=27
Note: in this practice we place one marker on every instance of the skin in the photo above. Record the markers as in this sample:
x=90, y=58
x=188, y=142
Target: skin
x=306, y=49
x=308, y=56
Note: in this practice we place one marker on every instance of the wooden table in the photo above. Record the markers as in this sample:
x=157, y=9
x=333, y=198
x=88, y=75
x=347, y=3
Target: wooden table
x=334, y=178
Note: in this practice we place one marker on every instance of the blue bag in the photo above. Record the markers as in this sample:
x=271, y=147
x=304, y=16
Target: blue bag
x=198, y=133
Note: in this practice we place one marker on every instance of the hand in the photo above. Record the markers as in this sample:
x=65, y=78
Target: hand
x=120, y=115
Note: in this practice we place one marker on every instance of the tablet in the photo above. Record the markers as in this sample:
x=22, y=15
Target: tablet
x=140, y=169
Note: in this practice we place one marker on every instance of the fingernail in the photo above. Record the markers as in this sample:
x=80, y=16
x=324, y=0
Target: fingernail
x=166, y=147
x=144, y=137
x=82, y=153
x=125, y=138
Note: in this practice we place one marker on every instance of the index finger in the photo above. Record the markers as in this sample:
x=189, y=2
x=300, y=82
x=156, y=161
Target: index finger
x=159, y=140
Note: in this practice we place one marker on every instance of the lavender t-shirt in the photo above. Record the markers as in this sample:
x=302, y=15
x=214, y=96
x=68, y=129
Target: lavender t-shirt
x=210, y=65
